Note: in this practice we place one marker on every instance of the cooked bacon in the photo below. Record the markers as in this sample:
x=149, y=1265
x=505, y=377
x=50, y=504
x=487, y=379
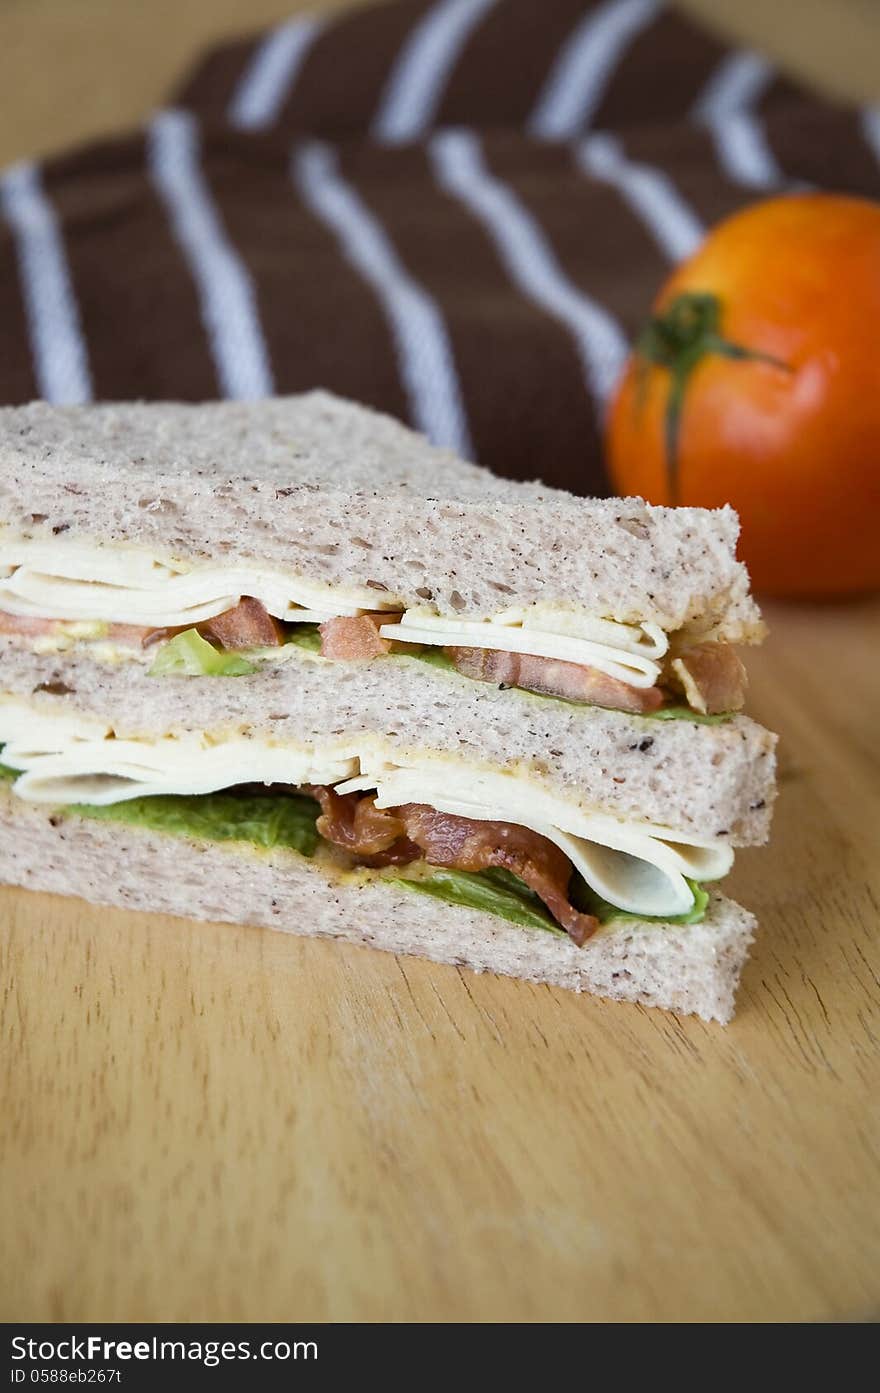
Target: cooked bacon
x=356, y=637
x=247, y=625
x=553, y=677
x=131, y=634
x=26, y=625
x=31, y=627
x=464, y=844
x=354, y=823
x=386, y=837
x=712, y=677
x=393, y=836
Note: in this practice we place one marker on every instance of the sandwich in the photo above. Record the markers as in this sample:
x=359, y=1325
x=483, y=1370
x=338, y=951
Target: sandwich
x=285, y=663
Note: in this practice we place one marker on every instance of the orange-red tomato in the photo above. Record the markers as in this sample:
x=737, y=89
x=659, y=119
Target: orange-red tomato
x=768, y=339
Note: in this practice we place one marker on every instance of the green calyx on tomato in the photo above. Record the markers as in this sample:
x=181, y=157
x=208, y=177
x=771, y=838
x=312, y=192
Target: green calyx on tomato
x=688, y=329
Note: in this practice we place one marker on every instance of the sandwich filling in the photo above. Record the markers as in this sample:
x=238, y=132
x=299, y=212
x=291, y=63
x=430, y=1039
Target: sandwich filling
x=267, y=820
x=383, y=808
x=127, y=603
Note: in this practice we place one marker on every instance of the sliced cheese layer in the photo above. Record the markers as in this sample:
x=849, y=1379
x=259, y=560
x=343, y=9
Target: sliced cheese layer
x=80, y=581
x=637, y=866
x=76, y=760
x=127, y=586
x=640, y=867
x=620, y=650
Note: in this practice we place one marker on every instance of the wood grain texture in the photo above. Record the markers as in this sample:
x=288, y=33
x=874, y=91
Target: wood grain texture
x=203, y=1122
x=207, y=1123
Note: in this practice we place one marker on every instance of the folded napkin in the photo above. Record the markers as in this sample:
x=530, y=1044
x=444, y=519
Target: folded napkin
x=456, y=210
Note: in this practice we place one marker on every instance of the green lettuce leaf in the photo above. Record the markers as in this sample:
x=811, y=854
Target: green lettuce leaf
x=434, y=657
x=499, y=892
x=494, y=892
x=7, y=773
x=588, y=901
x=304, y=636
x=190, y=655
x=285, y=820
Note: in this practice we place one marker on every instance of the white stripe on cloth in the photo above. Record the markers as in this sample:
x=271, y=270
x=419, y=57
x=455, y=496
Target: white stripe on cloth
x=422, y=68
x=649, y=191
x=460, y=169
x=735, y=85
x=725, y=108
x=871, y=128
x=425, y=358
x=226, y=292
x=59, y=351
x=271, y=74
x=585, y=65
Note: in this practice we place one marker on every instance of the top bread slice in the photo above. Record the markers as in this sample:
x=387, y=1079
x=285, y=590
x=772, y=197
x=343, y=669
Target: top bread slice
x=319, y=487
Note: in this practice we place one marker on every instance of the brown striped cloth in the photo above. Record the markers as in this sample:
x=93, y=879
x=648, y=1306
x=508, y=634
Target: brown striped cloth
x=455, y=210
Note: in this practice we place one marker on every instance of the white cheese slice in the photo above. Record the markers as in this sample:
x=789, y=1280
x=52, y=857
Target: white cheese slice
x=77, y=760
x=126, y=770
x=637, y=866
x=645, y=640
x=126, y=585
x=614, y=649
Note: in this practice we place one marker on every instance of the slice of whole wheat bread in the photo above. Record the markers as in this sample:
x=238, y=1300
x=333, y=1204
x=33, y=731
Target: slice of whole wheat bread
x=693, y=969
x=319, y=487
x=713, y=780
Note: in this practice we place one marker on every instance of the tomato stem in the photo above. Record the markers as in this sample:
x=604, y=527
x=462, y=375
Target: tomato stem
x=678, y=339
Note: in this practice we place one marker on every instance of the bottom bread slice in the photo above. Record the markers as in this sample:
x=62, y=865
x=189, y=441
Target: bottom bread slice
x=691, y=968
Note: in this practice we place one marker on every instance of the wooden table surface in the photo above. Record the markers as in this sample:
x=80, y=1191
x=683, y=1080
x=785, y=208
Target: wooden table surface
x=203, y=1122
x=211, y=1123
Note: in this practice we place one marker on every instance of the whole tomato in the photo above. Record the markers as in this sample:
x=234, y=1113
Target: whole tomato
x=757, y=383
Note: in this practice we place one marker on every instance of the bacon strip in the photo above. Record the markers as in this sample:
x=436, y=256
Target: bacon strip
x=383, y=837
x=375, y=837
x=247, y=625
x=553, y=677
x=356, y=637
x=713, y=678
x=25, y=624
x=468, y=845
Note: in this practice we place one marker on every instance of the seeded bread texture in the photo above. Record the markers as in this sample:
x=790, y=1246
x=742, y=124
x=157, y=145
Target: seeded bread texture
x=693, y=969
x=709, y=779
x=331, y=491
